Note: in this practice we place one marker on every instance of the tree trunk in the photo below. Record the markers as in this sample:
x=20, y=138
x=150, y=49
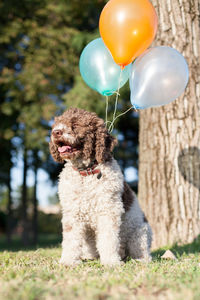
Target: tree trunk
x=9, y=211
x=35, y=209
x=169, y=170
x=25, y=227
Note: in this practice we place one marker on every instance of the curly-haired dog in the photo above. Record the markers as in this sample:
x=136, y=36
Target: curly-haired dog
x=101, y=214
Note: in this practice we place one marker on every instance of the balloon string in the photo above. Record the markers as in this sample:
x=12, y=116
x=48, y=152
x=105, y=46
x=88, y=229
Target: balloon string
x=111, y=127
x=117, y=95
x=135, y=108
x=106, y=111
x=116, y=103
x=107, y=122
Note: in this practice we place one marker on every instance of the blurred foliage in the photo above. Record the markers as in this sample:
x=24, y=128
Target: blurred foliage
x=53, y=199
x=3, y=198
x=17, y=199
x=44, y=241
x=49, y=223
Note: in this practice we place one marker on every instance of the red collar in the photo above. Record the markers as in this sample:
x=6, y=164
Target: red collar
x=89, y=171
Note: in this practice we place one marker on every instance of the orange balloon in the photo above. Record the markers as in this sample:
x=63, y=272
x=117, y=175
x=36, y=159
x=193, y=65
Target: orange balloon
x=128, y=27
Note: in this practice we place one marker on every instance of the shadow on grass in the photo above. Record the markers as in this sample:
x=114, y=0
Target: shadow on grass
x=179, y=250
x=44, y=241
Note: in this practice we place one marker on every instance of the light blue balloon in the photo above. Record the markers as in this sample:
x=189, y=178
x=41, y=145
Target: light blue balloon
x=158, y=76
x=99, y=70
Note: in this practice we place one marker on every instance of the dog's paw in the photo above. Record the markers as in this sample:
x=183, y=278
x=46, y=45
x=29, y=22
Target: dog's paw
x=89, y=257
x=111, y=262
x=147, y=259
x=67, y=262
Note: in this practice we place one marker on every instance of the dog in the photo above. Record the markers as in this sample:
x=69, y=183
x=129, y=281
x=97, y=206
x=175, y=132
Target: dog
x=101, y=216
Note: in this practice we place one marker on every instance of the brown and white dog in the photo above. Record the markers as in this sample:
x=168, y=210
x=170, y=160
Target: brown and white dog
x=101, y=215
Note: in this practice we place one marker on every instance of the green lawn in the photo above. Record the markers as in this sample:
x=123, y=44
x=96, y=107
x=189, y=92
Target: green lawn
x=36, y=274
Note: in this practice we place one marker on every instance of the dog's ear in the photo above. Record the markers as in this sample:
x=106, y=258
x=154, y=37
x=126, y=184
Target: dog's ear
x=105, y=144
x=54, y=152
x=88, y=148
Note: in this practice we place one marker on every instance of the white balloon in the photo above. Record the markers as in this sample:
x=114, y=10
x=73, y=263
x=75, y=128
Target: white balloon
x=159, y=76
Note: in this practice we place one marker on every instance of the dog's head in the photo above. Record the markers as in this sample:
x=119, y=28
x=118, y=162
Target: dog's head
x=78, y=134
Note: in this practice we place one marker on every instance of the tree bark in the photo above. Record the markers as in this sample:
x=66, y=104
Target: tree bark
x=169, y=170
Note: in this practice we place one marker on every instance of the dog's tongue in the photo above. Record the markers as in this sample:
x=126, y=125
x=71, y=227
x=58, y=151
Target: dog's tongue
x=64, y=149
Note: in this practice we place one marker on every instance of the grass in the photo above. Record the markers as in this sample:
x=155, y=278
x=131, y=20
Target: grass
x=37, y=275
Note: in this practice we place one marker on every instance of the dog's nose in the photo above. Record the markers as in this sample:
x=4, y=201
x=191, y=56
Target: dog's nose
x=57, y=133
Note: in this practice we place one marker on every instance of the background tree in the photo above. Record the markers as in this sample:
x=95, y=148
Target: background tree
x=7, y=149
x=169, y=176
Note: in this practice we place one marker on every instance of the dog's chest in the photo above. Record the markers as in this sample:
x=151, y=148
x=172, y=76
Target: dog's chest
x=85, y=197
x=82, y=196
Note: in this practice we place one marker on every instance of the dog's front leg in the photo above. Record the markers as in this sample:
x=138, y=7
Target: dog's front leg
x=71, y=244
x=108, y=242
